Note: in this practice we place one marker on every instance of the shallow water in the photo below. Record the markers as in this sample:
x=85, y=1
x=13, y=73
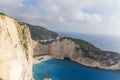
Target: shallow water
x=68, y=70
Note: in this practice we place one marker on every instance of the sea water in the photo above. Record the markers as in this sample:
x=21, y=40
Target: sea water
x=104, y=42
x=69, y=70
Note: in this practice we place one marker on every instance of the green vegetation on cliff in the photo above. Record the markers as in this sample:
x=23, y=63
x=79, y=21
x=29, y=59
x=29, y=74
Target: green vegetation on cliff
x=84, y=45
x=106, y=58
x=40, y=33
x=1, y=13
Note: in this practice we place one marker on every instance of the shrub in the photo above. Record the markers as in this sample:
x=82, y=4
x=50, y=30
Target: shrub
x=1, y=13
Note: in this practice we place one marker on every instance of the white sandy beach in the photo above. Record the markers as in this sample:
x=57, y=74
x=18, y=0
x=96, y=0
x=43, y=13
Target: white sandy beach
x=39, y=59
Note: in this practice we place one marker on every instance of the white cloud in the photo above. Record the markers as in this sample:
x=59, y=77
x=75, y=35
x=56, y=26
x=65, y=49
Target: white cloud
x=10, y=2
x=21, y=4
x=49, y=6
x=54, y=8
x=69, y=9
x=61, y=19
x=81, y=4
x=115, y=19
x=85, y=17
x=63, y=12
x=14, y=8
x=75, y=4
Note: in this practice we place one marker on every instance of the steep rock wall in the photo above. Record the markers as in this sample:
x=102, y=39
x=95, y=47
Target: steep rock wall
x=81, y=52
x=68, y=48
x=15, y=50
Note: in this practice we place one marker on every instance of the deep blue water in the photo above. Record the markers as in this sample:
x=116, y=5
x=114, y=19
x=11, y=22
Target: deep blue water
x=104, y=42
x=68, y=70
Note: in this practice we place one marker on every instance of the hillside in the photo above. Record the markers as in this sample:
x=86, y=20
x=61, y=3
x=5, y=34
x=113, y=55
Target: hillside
x=40, y=33
x=81, y=52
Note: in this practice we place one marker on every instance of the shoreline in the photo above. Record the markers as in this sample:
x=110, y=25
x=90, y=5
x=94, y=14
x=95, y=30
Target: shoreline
x=39, y=59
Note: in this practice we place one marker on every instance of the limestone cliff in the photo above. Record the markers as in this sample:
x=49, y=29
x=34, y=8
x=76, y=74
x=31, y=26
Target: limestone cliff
x=15, y=50
x=81, y=52
x=85, y=53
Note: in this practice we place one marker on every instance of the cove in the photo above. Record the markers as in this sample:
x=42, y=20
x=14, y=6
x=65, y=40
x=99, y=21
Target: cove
x=69, y=70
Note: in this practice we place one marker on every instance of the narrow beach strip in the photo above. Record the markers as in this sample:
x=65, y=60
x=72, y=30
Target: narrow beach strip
x=39, y=59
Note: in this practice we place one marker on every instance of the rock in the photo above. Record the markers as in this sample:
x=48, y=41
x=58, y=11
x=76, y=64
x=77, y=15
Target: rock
x=47, y=79
x=15, y=50
x=81, y=52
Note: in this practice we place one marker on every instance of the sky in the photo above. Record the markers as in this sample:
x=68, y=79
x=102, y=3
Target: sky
x=80, y=16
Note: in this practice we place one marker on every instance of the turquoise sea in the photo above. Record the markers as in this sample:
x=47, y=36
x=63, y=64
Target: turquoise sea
x=68, y=70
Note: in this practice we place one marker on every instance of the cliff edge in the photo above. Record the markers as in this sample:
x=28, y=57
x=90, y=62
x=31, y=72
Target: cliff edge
x=15, y=50
x=85, y=53
x=81, y=52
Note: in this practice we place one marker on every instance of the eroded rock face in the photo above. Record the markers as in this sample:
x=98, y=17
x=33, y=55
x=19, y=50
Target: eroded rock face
x=15, y=50
x=62, y=49
x=82, y=52
x=69, y=48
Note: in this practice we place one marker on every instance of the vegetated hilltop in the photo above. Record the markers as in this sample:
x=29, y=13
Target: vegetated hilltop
x=40, y=33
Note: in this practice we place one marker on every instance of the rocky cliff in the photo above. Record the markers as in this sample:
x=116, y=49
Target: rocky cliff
x=15, y=50
x=85, y=53
x=81, y=52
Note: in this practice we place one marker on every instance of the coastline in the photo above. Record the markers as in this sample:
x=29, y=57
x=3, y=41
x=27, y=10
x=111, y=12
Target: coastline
x=39, y=59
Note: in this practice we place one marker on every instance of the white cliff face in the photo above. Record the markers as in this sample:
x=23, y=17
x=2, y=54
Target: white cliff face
x=15, y=50
x=75, y=51
x=62, y=49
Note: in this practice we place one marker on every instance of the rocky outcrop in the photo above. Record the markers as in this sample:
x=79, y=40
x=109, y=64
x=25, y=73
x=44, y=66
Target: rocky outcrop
x=15, y=50
x=81, y=52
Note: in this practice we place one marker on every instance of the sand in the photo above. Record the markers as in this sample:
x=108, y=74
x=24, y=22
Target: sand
x=39, y=59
